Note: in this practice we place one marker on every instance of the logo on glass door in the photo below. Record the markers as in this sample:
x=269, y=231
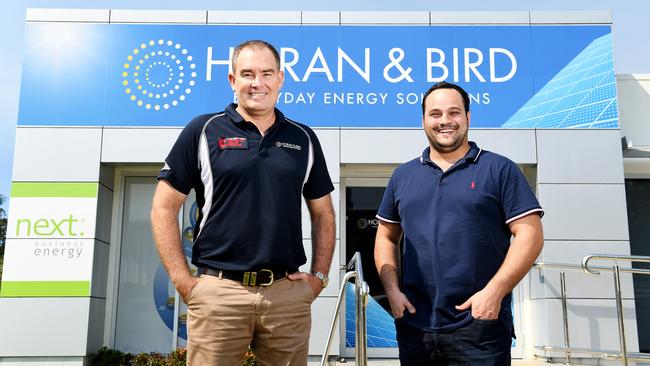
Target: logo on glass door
x=364, y=223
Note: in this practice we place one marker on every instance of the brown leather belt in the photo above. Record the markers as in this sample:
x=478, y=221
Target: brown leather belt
x=261, y=277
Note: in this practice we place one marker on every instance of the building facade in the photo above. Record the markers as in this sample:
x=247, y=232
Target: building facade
x=105, y=93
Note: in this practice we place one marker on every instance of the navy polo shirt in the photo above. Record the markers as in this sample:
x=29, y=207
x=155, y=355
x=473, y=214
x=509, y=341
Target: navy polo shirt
x=248, y=187
x=456, y=235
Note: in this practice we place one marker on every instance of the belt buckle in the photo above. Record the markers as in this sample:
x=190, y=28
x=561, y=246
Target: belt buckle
x=250, y=278
x=270, y=281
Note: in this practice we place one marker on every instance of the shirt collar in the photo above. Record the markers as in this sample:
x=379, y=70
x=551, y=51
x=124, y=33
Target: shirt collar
x=231, y=111
x=471, y=156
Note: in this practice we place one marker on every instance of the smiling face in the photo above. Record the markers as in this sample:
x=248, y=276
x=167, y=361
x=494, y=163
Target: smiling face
x=257, y=82
x=445, y=120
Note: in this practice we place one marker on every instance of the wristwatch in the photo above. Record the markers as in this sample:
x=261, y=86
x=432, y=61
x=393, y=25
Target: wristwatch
x=322, y=277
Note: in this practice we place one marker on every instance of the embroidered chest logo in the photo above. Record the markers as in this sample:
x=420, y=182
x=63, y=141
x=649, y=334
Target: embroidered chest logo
x=472, y=185
x=287, y=145
x=233, y=143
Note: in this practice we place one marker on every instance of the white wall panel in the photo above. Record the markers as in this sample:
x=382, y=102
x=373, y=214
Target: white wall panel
x=44, y=326
x=253, y=17
x=579, y=156
x=396, y=146
x=321, y=17
x=381, y=146
x=158, y=16
x=546, y=284
x=633, y=107
x=151, y=145
x=137, y=145
x=571, y=17
x=385, y=17
x=330, y=143
x=68, y=15
x=479, y=17
x=517, y=145
x=592, y=324
x=584, y=211
x=57, y=154
x=322, y=310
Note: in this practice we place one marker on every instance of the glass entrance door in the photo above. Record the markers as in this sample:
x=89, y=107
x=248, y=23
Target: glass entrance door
x=138, y=323
x=637, y=192
x=148, y=316
x=361, y=201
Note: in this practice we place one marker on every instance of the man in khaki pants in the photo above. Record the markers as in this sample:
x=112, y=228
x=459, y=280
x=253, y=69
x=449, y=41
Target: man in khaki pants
x=250, y=167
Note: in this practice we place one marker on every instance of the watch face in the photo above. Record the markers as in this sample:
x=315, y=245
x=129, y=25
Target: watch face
x=323, y=278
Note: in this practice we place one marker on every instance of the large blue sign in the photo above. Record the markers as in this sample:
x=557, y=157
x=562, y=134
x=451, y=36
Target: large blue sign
x=335, y=76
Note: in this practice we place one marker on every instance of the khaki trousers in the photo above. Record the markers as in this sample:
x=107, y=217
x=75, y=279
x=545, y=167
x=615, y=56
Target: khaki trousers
x=224, y=317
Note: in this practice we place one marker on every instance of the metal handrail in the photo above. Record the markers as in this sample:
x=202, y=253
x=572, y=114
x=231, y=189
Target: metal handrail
x=593, y=270
x=361, y=300
x=542, y=265
x=604, y=354
x=627, y=258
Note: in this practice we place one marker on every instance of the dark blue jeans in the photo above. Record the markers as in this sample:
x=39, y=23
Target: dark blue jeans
x=480, y=343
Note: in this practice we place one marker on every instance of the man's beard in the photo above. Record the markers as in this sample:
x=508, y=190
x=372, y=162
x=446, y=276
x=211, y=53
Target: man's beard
x=447, y=148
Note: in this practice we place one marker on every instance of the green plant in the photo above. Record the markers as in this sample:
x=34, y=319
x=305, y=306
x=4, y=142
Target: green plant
x=150, y=359
x=177, y=357
x=249, y=358
x=111, y=357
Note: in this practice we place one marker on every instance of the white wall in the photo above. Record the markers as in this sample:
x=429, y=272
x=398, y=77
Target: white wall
x=634, y=109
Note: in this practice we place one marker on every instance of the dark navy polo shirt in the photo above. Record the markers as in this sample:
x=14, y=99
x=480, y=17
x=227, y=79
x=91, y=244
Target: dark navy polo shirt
x=248, y=187
x=456, y=234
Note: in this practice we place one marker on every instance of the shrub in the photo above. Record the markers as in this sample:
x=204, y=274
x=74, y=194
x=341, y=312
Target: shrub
x=177, y=358
x=112, y=357
x=150, y=359
x=249, y=358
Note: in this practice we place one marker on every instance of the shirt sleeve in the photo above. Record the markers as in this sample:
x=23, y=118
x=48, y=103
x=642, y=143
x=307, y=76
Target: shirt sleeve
x=319, y=182
x=388, y=209
x=181, y=168
x=518, y=200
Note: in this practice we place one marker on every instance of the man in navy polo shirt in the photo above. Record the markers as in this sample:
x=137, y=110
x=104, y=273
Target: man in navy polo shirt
x=250, y=166
x=457, y=208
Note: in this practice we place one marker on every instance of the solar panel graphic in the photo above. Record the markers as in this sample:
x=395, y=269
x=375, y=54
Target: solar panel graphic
x=581, y=95
x=380, y=325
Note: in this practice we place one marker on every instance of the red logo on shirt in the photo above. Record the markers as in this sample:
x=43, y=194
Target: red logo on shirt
x=233, y=143
x=472, y=185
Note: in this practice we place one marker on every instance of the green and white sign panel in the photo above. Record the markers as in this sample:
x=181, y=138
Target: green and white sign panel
x=50, y=240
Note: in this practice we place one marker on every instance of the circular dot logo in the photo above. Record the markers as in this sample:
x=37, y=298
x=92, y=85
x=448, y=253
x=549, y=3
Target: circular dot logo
x=158, y=75
x=362, y=223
